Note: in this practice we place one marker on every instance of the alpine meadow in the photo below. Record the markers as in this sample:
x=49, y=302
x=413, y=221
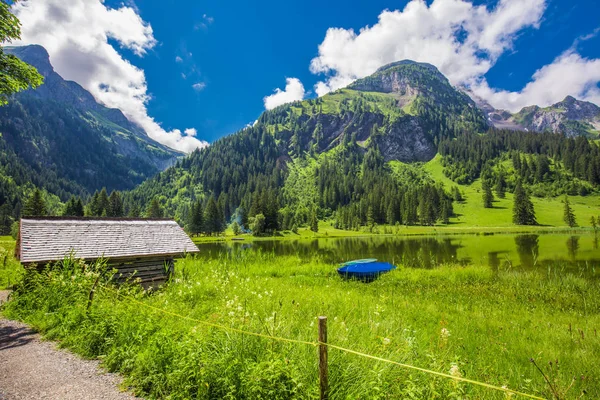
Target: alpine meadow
x=401, y=231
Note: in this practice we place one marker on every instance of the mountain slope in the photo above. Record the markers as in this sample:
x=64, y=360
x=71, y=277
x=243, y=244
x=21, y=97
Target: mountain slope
x=571, y=117
x=127, y=138
x=400, y=113
x=58, y=138
x=356, y=155
x=403, y=109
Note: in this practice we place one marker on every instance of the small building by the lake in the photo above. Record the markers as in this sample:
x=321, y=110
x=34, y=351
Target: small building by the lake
x=140, y=249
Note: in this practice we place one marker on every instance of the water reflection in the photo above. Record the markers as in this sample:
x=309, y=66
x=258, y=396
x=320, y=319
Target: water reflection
x=528, y=248
x=573, y=246
x=498, y=252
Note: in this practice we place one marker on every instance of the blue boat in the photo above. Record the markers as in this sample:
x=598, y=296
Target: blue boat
x=365, y=271
x=362, y=261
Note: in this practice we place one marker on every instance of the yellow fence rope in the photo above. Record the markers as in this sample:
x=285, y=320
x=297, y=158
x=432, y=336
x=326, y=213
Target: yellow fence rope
x=316, y=343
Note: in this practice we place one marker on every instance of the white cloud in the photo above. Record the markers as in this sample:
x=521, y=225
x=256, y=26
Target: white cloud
x=76, y=35
x=178, y=59
x=294, y=91
x=461, y=39
x=199, y=86
x=464, y=41
x=190, y=132
x=569, y=74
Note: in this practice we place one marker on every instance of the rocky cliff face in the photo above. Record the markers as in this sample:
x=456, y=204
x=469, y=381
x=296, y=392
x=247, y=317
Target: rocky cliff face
x=402, y=108
x=571, y=117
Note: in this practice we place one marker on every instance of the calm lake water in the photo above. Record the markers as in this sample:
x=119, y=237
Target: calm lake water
x=524, y=251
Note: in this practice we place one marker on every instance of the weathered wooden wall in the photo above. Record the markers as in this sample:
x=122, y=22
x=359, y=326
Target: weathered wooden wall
x=149, y=272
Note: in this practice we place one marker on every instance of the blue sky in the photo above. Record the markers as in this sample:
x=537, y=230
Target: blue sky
x=236, y=53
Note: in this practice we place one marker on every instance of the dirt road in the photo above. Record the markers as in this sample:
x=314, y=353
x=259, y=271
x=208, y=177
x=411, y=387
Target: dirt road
x=34, y=369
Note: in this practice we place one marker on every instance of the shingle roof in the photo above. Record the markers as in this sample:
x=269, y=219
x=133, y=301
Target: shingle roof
x=51, y=239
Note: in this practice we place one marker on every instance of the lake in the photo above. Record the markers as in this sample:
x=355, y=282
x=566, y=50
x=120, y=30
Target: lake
x=523, y=251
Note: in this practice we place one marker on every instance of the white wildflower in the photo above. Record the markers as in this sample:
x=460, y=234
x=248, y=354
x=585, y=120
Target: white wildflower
x=386, y=341
x=445, y=333
x=455, y=371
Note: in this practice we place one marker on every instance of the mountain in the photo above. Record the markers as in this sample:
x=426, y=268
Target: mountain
x=356, y=155
x=401, y=109
x=571, y=117
x=59, y=128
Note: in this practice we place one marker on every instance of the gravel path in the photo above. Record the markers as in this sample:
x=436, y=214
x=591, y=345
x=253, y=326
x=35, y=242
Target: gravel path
x=34, y=369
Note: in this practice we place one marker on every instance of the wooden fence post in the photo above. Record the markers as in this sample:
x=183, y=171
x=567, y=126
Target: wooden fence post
x=323, y=378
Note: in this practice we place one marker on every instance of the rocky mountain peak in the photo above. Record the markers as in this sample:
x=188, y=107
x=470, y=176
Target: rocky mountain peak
x=35, y=55
x=577, y=109
x=406, y=77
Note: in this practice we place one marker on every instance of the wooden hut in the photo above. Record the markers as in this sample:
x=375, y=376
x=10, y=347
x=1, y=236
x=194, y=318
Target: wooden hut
x=138, y=248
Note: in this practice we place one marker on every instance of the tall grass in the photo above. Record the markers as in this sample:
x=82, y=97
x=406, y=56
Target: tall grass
x=10, y=269
x=470, y=321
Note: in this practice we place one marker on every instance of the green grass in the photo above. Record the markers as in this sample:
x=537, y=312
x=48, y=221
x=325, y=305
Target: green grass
x=471, y=214
x=10, y=269
x=497, y=321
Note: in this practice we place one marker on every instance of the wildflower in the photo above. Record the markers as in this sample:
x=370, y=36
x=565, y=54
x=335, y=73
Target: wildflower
x=445, y=333
x=386, y=341
x=455, y=371
x=507, y=395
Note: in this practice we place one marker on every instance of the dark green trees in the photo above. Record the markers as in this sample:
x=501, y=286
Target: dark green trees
x=154, y=209
x=568, y=215
x=523, y=212
x=314, y=221
x=488, y=196
x=115, y=205
x=74, y=208
x=195, y=218
x=501, y=184
x=103, y=205
x=35, y=205
x=214, y=222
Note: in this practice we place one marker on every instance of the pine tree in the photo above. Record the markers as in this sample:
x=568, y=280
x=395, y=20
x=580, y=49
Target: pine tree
x=35, y=205
x=523, y=212
x=488, y=196
x=446, y=211
x=212, y=217
x=314, y=221
x=568, y=215
x=69, y=207
x=93, y=208
x=103, y=203
x=78, y=210
x=134, y=211
x=196, y=218
x=154, y=209
x=501, y=185
x=115, y=205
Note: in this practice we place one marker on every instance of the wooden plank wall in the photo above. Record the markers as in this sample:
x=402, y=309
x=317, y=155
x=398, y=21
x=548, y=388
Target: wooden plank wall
x=149, y=272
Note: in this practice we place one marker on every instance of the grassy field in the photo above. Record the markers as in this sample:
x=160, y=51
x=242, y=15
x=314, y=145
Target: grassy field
x=472, y=215
x=467, y=321
x=10, y=269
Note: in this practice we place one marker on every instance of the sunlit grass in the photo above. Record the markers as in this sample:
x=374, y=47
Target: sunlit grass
x=485, y=324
